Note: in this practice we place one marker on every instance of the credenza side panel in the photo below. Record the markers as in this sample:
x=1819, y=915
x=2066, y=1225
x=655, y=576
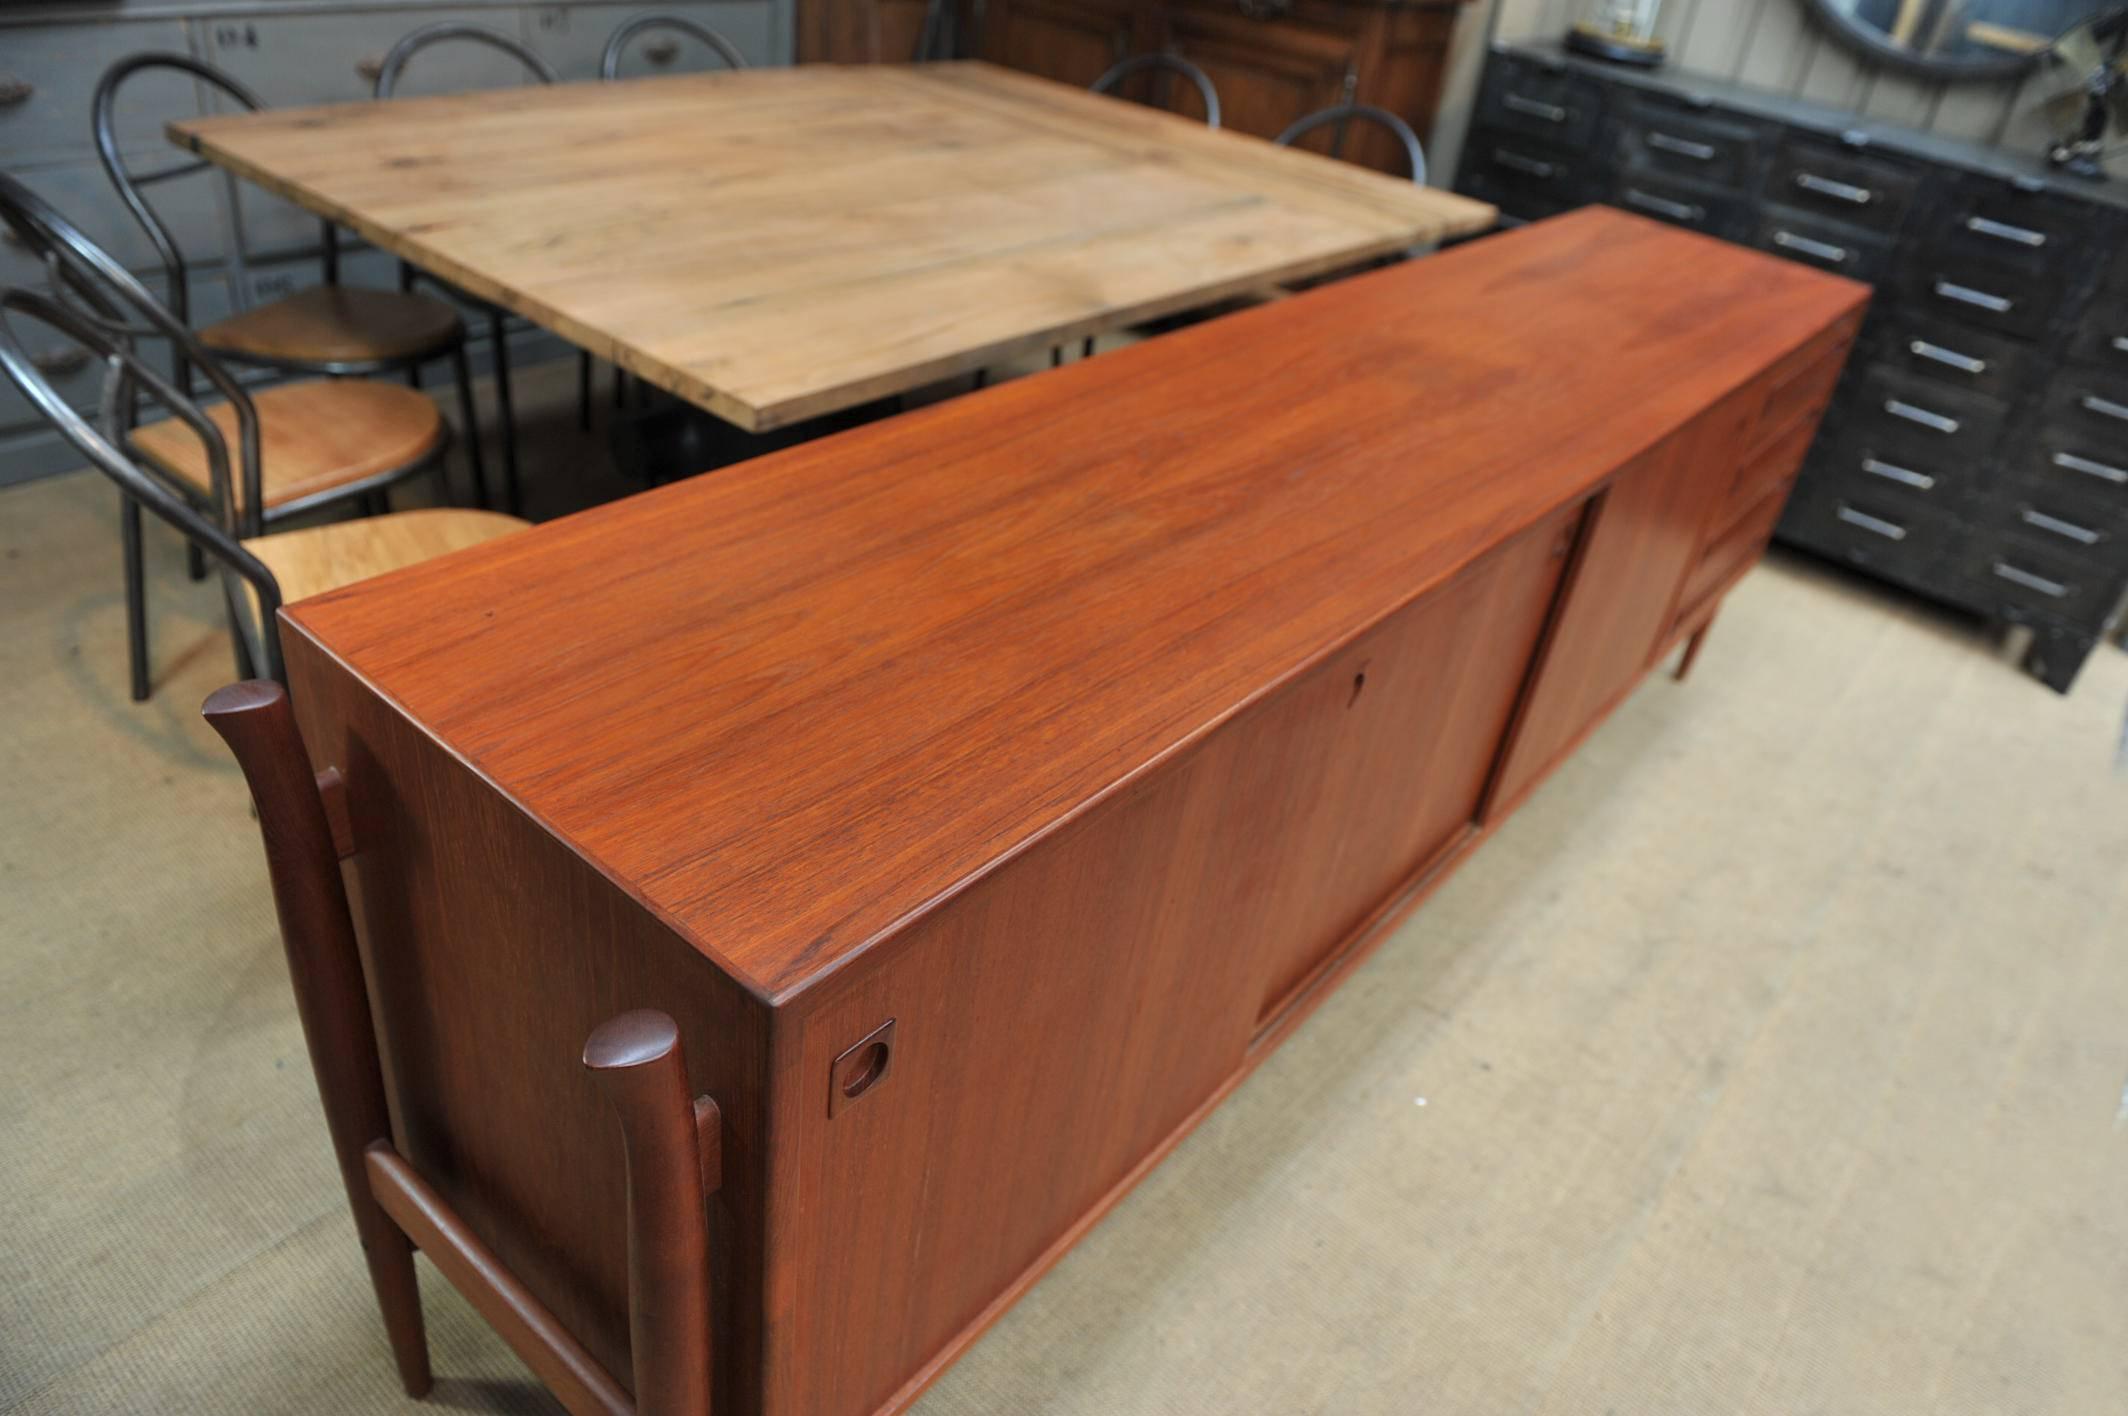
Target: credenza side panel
x=1059, y=1021
x=491, y=952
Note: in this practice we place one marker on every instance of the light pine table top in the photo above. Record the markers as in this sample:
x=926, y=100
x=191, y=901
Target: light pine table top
x=773, y=244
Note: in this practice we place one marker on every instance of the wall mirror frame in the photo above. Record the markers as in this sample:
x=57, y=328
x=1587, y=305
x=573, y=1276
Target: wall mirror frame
x=1952, y=39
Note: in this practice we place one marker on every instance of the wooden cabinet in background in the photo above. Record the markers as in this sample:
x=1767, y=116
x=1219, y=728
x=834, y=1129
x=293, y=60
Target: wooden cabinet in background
x=1272, y=61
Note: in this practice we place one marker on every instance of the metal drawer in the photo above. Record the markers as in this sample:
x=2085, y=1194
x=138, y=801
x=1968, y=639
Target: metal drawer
x=1683, y=142
x=2102, y=342
x=1918, y=423
x=1686, y=204
x=1908, y=544
x=2088, y=489
x=1998, y=219
x=291, y=59
x=1850, y=465
x=1539, y=101
x=573, y=37
x=1526, y=179
x=2088, y=409
x=2020, y=576
x=1955, y=355
x=48, y=72
x=1842, y=183
x=1824, y=244
x=1989, y=295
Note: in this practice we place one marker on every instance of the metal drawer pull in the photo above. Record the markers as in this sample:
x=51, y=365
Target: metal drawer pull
x=2104, y=407
x=1876, y=525
x=1906, y=477
x=1823, y=250
x=1838, y=191
x=1683, y=147
x=2082, y=535
x=2030, y=581
x=1549, y=112
x=2003, y=231
x=1516, y=162
x=1980, y=299
x=1663, y=206
x=1949, y=358
x=2069, y=460
x=2120, y=344
x=1935, y=422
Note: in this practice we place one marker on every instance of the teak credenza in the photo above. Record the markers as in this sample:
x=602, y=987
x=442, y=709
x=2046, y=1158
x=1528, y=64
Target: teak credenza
x=981, y=792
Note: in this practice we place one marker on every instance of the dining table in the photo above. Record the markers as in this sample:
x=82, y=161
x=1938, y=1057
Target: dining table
x=777, y=244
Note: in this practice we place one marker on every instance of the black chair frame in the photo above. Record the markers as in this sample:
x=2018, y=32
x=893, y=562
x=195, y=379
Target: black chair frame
x=1172, y=63
x=110, y=300
x=131, y=191
x=617, y=45
x=1343, y=115
x=387, y=83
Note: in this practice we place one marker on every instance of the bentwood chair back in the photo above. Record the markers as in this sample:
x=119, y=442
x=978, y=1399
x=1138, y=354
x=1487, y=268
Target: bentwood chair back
x=324, y=329
x=1343, y=115
x=658, y=21
x=299, y=446
x=1170, y=63
x=540, y=71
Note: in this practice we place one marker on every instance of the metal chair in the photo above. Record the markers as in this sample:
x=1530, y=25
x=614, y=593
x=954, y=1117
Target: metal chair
x=610, y=60
x=1174, y=63
x=301, y=446
x=388, y=72
x=610, y=70
x=261, y=571
x=1342, y=115
x=327, y=328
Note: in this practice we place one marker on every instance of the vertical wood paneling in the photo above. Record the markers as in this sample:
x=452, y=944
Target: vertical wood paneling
x=1774, y=45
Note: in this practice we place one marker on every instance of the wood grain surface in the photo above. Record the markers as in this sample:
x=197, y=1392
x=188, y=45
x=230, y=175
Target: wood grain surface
x=778, y=243
x=790, y=705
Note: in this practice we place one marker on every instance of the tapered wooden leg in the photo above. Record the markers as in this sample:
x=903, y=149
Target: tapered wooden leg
x=1699, y=637
x=636, y=1057
x=331, y=1000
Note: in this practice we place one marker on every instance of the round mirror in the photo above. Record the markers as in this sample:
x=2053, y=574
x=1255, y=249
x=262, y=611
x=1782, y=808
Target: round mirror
x=1953, y=39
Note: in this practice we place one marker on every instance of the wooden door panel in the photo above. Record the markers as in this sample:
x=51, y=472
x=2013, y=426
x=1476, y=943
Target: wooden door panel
x=1642, y=537
x=1071, y=43
x=1266, y=74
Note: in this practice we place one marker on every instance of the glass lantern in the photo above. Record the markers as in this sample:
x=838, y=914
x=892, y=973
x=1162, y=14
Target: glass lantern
x=1622, y=31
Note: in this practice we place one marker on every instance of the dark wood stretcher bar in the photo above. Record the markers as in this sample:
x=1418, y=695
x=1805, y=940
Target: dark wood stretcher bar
x=934, y=821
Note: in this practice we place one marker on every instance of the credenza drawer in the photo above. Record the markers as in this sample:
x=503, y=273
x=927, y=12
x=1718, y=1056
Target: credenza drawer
x=2095, y=483
x=1940, y=428
x=1996, y=219
x=1658, y=135
x=1840, y=183
x=1692, y=205
x=1828, y=245
x=1885, y=535
x=2102, y=342
x=1958, y=356
x=1993, y=295
x=1524, y=177
x=1732, y=548
x=2007, y=567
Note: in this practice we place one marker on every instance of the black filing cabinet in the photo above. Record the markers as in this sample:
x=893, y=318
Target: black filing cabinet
x=1977, y=448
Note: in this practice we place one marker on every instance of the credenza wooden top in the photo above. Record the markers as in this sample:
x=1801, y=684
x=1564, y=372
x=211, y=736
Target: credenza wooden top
x=792, y=703
x=778, y=243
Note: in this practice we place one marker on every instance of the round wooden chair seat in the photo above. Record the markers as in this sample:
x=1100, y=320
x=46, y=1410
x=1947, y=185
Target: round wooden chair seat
x=321, y=558
x=316, y=439
x=338, y=324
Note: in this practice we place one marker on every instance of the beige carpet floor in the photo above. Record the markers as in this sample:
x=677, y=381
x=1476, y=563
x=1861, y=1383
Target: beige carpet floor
x=1772, y=1060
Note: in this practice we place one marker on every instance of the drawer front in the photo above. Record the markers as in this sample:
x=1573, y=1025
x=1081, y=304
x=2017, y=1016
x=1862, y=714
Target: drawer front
x=1995, y=296
x=2093, y=484
x=1526, y=179
x=1686, y=204
x=1797, y=392
x=2088, y=410
x=1683, y=142
x=1554, y=105
x=1957, y=356
x=2066, y=525
x=1846, y=186
x=1882, y=535
x=291, y=59
x=1850, y=465
x=1900, y=416
x=2102, y=342
x=1732, y=549
x=2017, y=573
x=573, y=38
x=1994, y=219
x=49, y=72
x=1825, y=244
x=1771, y=466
